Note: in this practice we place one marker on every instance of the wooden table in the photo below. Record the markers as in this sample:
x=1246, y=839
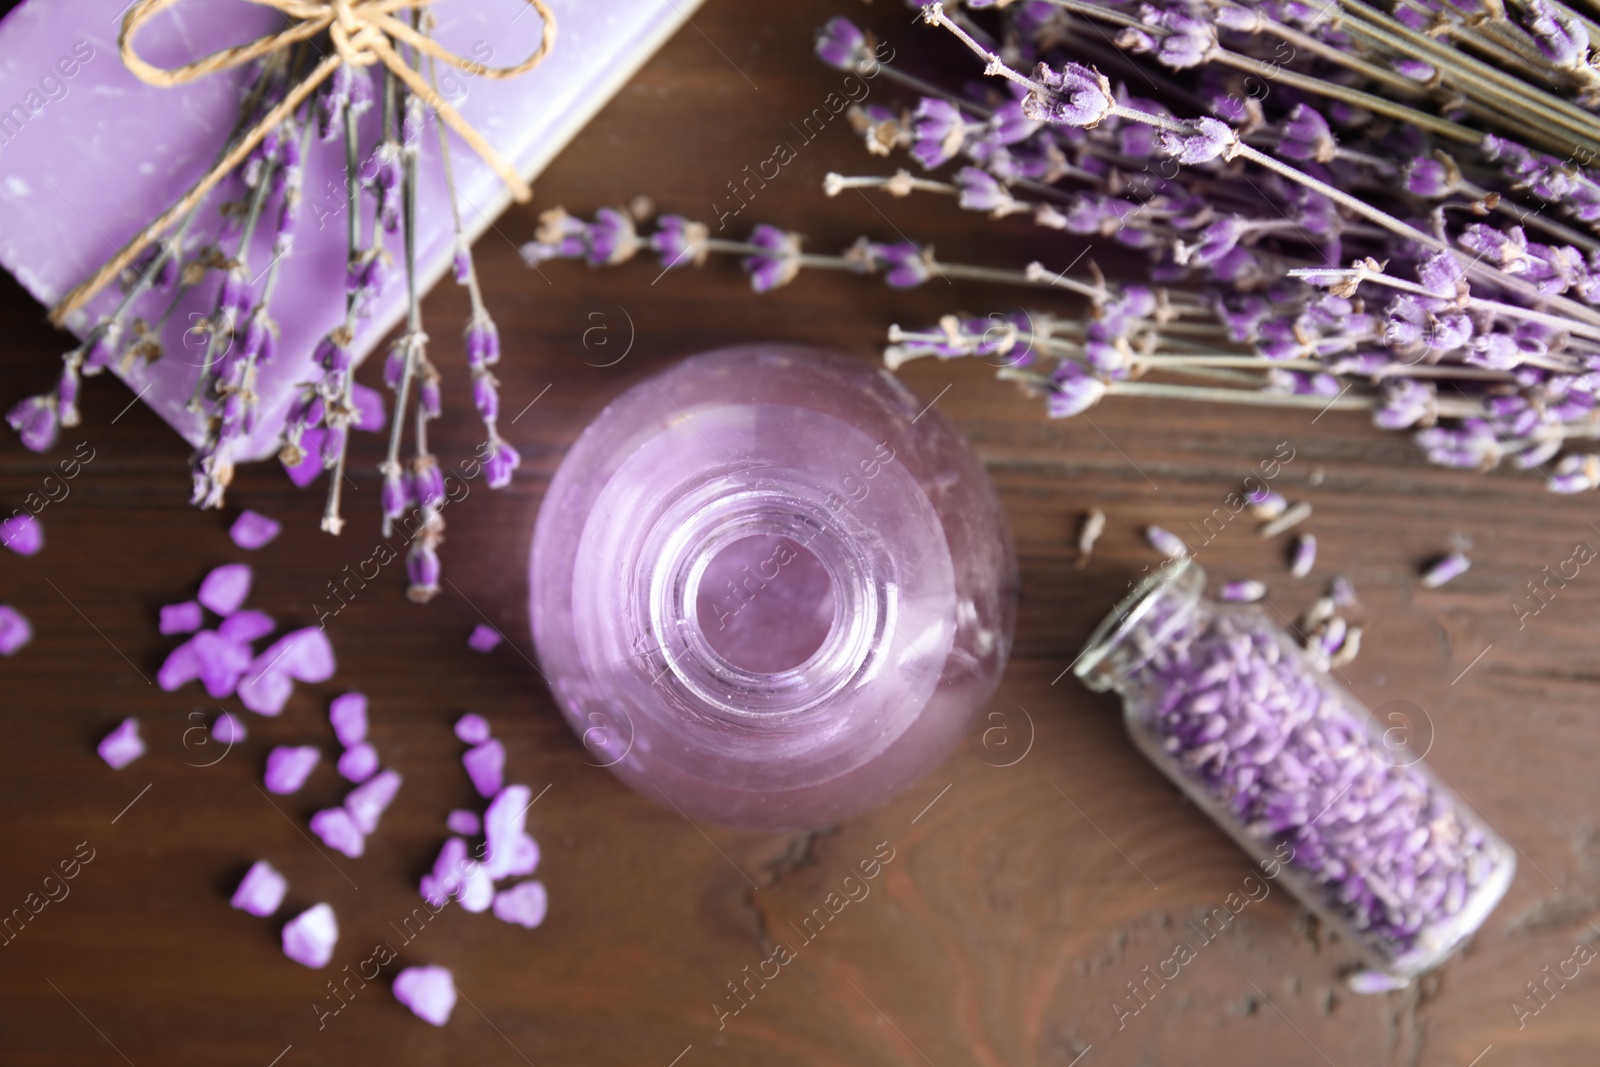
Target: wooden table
x=1030, y=881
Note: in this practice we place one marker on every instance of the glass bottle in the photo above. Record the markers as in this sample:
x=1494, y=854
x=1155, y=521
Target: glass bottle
x=769, y=587
x=1297, y=771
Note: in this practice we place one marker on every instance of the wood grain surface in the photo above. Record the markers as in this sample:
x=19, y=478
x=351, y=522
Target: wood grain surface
x=1033, y=876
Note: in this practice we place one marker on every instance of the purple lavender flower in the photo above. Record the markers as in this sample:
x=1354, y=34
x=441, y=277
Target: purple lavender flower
x=483, y=343
x=499, y=463
x=1073, y=391
x=422, y=572
x=680, y=242
x=34, y=420
x=1074, y=95
x=1206, y=140
x=778, y=261
x=939, y=129
x=840, y=44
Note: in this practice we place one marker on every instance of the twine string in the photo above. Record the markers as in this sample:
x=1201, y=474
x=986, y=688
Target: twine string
x=362, y=33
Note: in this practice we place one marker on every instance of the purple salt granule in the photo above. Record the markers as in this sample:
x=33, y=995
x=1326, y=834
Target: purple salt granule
x=429, y=992
x=228, y=729
x=220, y=662
x=339, y=831
x=181, y=666
x=486, y=764
x=22, y=534
x=510, y=850
x=348, y=714
x=484, y=638
x=459, y=878
x=1235, y=713
x=123, y=745
x=524, y=904
x=225, y=588
x=182, y=618
x=1304, y=555
x=366, y=802
x=1244, y=591
x=288, y=767
x=261, y=890
x=463, y=822
x=472, y=728
x=246, y=626
x=1443, y=570
x=1166, y=542
x=252, y=530
x=310, y=936
x=264, y=692
x=304, y=655
x=15, y=631
x=358, y=762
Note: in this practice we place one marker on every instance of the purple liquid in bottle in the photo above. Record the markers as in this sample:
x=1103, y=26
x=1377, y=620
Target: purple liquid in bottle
x=769, y=590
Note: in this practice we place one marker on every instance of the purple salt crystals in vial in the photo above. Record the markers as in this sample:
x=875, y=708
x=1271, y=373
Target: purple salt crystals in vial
x=1298, y=772
x=771, y=586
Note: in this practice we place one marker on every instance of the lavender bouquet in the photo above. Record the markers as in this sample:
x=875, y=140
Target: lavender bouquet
x=1390, y=209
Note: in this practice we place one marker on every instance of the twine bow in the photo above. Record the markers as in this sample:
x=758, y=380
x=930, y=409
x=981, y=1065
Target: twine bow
x=363, y=33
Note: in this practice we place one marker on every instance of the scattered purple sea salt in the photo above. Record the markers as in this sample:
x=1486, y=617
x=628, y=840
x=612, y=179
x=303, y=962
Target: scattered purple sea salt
x=228, y=729
x=348, y=714
x=1443, y=570
x=225, y=588
x=511, y=851
x=358, y=762
x=182, y=618
x=246, y=626
x=15, y=631
x=1304, y=555
x=472, y=728
x=264, y=692
x=429, y=992
x=366, y=802
x=261, y=890
x=289, y=767
x=1244, y=591
x=252, y=530
x=22, y=534
x=484, y=638
x=304, y=655
x=123, y=745
x=220, y=662
x=310, y=936
x=463, y=822
x=1166, y=542
x=339, y=831
x=486, y=764
x=524, y=904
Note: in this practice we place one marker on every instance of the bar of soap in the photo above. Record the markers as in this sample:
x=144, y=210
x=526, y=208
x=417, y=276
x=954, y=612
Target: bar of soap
x=89, y=154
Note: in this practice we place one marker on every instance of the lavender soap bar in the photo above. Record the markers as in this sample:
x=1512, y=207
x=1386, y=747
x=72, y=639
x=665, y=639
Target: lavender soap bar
x=89, y=154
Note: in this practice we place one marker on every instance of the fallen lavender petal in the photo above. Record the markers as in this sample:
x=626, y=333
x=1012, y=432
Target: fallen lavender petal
x=429, y=992
x=1374, y=982
x=366, y=802
x=226, y=587
x=1443, y=570
x=464, y=822
x=1244, y=591
x=358, y=762
x=22, y=534
x=123, y=745
x=484, y=638
x=182, y=618
x=261, y=890
x=1341, y=592
x=339, y=831
x=524, y=904
x=486, y=764
x=1304, y=555
x=348, y=714
x=288, y=767
x=309, y=937
x=472, y=728
x=228, y=729
x=246, y=626
x=15, y=630
x=252, y=530
x=1166, y=542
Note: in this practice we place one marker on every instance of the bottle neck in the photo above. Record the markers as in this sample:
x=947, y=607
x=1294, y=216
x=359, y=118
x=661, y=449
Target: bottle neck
x=1139, y=625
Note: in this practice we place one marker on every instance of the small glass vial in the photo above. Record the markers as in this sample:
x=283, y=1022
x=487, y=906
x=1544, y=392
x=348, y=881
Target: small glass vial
x=1297, y=771
x=769, y=587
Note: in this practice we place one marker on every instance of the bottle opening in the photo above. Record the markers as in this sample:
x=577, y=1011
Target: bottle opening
x=765, y=603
